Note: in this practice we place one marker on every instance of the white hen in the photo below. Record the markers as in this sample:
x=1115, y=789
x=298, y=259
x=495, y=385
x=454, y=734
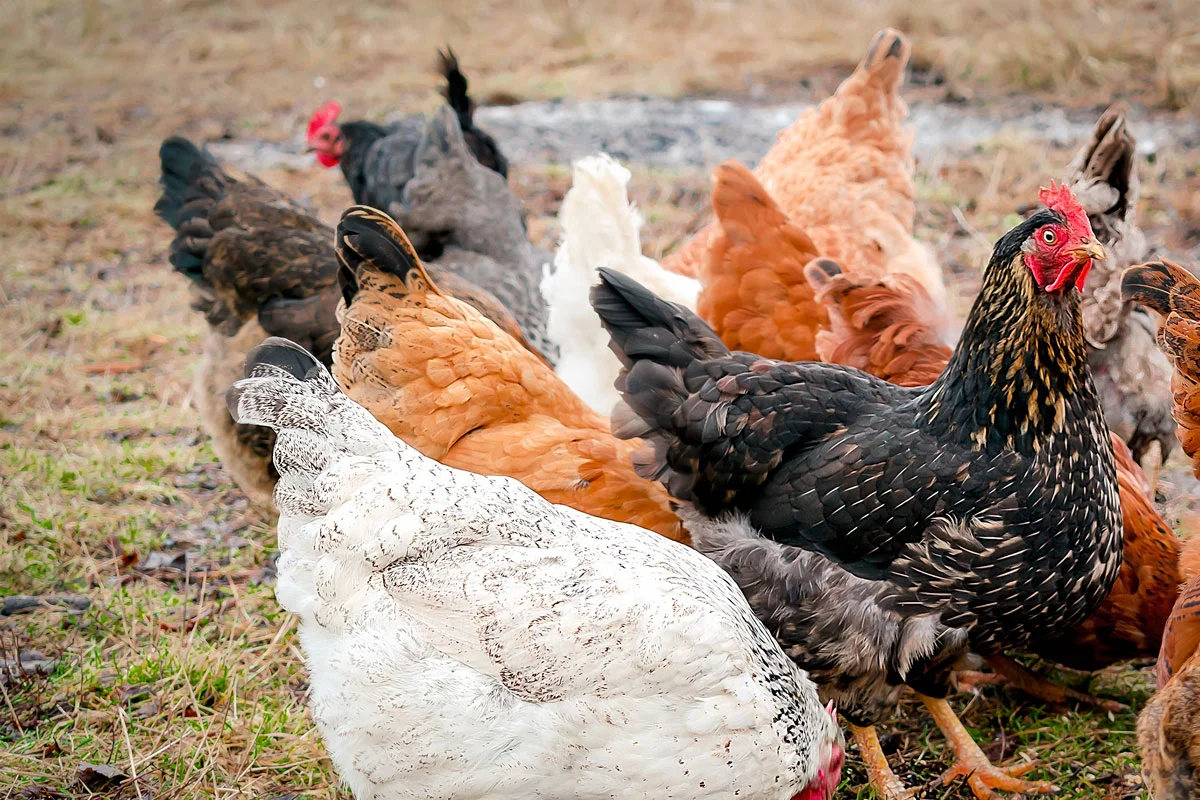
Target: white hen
x=467, y=639
x=600, y=229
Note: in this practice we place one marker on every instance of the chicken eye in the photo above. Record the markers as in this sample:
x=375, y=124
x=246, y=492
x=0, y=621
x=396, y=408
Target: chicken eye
x=1049, y=236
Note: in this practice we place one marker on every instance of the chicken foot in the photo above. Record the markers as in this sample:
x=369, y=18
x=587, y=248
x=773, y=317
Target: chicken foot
x=883, y=780
x=984, y=778
x=1038, y=687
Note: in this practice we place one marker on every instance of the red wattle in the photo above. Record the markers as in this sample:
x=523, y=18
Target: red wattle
x=1076, y=272
x=327, y=159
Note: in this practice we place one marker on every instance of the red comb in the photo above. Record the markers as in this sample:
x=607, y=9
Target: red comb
x=1062, y=200
x=323, y=116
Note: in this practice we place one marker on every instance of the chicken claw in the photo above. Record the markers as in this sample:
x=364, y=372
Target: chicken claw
x=984, y=778
x=883, y=780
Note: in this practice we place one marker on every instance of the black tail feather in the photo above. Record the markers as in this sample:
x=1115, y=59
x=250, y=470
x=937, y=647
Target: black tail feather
x=369, y=239
x=486, y=151
x=644, y=327
x=274, y=353
x=192, y=182
x=181, y=162
x=284, y=354
x=455, y=90
x=269, y=359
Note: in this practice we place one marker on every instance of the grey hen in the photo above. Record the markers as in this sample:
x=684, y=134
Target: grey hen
x=377, y=161
x=1132, y=376
x=462, y=216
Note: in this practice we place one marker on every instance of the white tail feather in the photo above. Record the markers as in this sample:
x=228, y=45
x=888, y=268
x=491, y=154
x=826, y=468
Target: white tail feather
x=600, y=229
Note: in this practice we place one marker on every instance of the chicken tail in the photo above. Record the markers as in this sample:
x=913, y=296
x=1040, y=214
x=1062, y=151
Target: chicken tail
x=368, y=240
x=482, y=145
x=882, y=327
x=181, y=161
x=599, y=225
x=886, y=58
x=192, y=182
x=656, y=342
x=286, y=388
x=1103, y=175
x=646, y=329
x=1163, y=287
x=455, y=90
x=743, y=206
x=1170, y=290
x=1173, y=292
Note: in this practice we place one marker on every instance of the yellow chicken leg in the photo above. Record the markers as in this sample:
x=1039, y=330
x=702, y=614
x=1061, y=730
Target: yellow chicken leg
x=984, y=778
x=883, y=780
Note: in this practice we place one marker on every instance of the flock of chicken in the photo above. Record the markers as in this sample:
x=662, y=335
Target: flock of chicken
x=814, y=490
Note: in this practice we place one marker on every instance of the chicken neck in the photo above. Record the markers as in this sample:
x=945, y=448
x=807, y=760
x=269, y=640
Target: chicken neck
x=1019, y=367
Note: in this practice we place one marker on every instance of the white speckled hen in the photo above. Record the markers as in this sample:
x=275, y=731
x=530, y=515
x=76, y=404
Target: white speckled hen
x=880, y=531
x=467, y=639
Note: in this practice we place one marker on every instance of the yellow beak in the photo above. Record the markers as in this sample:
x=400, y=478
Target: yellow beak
x=1089, y=249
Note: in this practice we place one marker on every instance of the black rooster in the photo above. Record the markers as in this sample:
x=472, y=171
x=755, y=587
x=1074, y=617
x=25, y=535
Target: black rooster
x=377, y=161
x=881, y=531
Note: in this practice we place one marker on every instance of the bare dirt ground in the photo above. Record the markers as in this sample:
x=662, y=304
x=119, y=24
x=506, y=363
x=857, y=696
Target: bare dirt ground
x=167, y=664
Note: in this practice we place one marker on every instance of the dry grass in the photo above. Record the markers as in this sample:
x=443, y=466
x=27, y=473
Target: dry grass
x=185, y=674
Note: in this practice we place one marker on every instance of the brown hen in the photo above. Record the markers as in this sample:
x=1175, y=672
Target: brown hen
x=843, y=175
x=753, y=290
x=1174, y=293
x=449, y=382
x=1169, y=726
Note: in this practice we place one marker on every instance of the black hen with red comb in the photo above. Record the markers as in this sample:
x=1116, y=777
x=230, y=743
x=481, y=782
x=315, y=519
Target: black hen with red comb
x=881, y=531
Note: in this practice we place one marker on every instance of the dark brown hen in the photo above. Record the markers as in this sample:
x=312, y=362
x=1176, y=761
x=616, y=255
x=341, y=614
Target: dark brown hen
x=880, y=531
x=259, y=265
